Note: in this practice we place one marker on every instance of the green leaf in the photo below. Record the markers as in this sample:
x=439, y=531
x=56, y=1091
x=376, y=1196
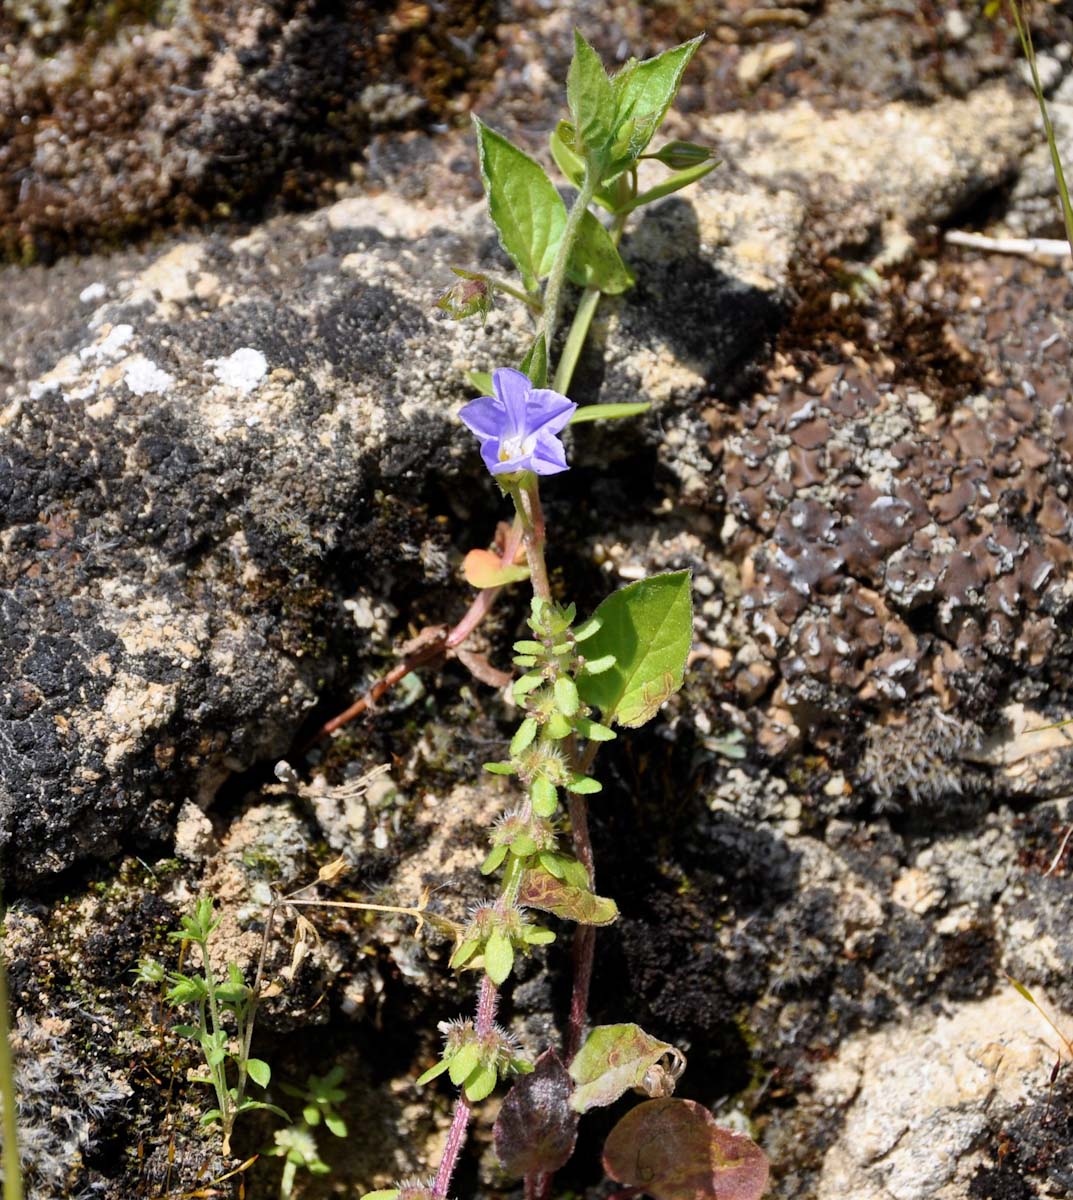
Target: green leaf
x=535, y=363
x=498, y=957
x=595, y=261
x=584, y=785
x=480, y=1083
x=674, y=1150
x=481, y=380
x=463, y=952
x=212, y=1115
x=648, y=88
x=382, y=1194
x=259, y=1071
x=648, y=627
x=594, y=731
x=335, y=1124
x=673, y=183
x=432, y=1072
x=495, y=857
x=609, y=412
x=545, y=892
x=592, y=103
x=613, y=1059
x=523, y=736
x=500, y=768
x=463, y=1062
x=557, y=727
x=527, y=210
x=566, y=697
x=544, y=797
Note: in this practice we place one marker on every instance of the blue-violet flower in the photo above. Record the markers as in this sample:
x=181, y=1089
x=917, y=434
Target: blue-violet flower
x=517, y=426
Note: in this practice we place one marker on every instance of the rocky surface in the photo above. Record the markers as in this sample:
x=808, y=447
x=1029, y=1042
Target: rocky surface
x=231, y=478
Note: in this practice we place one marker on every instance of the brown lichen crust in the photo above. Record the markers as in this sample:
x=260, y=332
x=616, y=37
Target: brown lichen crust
x=118, y=118
x=899, y=545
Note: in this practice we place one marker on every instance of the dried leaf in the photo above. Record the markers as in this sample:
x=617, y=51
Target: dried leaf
x=674, y=1150
x=536, y=1128
x=542, y=890
x=483, y=569
x=615, y=1058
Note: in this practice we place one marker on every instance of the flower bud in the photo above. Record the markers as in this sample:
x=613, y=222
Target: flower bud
x=681, y=155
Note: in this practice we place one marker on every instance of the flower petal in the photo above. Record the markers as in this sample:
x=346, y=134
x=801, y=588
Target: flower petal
x=512, y=389
x=483, y=416
x=549, y=455
x=548, y=411
x=490, y=454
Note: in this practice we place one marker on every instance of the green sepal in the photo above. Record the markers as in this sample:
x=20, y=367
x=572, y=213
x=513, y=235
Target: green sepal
x=429, y=1075
x=523, y=846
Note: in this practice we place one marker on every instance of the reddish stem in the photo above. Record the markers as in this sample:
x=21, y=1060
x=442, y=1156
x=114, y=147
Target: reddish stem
x=585, y=935
x=475, y=614
x=456, y=1136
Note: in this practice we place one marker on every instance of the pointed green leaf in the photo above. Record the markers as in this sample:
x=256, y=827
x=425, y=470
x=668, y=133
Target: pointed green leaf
x=592, y=102
x=498, y=957
x=609, y=412
x=259, y=1071
x=673, y=183
x=674, y=1150
x=613, y=1059
x=463, y=952
x=535, y=363
x=526, y=209
x=648, y=627
x=596, y=262
x=545, y=892
x=648, y=88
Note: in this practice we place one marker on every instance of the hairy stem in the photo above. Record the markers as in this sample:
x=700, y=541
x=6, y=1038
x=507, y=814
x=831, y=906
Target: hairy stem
x=584, y=935
x=553, y=291
x=527, y=502
x=8, y=1099
x=582, y=322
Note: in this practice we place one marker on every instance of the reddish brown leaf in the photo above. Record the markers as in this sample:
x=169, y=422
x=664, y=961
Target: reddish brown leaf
x=674, y=1150
x=541, y=890
x=537, y=1128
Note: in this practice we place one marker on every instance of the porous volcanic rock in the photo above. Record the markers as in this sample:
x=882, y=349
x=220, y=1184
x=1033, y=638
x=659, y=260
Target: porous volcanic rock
x=115, y=118
x=217, y=445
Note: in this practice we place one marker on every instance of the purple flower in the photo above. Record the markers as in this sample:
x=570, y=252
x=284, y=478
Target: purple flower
x=517, y=426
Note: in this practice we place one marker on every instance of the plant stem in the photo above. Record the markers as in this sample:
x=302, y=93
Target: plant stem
x=579, y=327
x=584, y=935
x=219, y=1070
x=527, y=501
x=1025, y=34
x=553, y=291
x=12, y=1168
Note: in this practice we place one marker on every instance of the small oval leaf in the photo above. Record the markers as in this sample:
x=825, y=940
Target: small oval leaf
x=541, y=890
x=483, y=569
